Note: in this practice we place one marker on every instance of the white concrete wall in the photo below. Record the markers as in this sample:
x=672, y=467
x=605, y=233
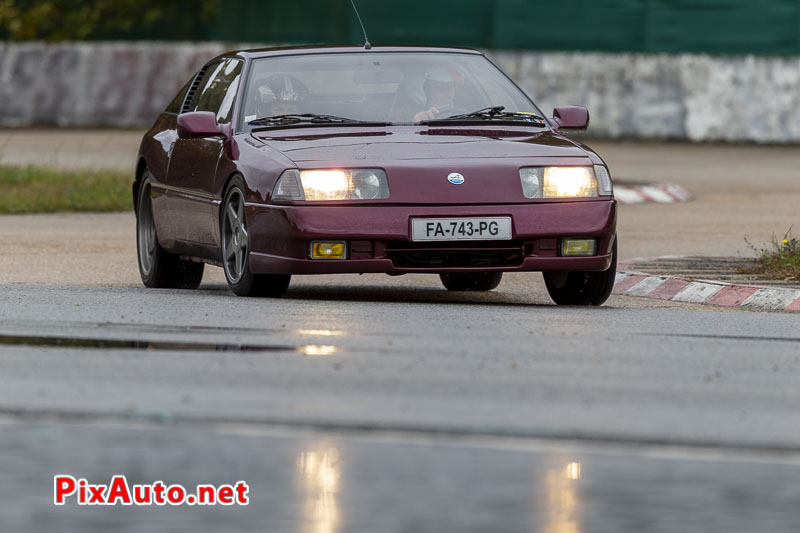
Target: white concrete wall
x=695, y=97
x=94, y=84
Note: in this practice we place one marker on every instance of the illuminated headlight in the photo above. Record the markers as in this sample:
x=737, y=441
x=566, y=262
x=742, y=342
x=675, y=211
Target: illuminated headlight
x=332, y=184
x=559, y=182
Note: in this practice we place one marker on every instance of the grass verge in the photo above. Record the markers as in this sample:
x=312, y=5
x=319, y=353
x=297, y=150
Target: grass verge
x=42, y=190
x=781, y=260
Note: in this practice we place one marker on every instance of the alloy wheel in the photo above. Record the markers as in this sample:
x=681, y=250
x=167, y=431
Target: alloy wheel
x=146, y=229
x=234, y=236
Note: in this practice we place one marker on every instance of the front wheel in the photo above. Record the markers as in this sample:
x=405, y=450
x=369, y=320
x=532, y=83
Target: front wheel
x=582, y=288
x=477, y=281
x=235, y=241
x=158, y=268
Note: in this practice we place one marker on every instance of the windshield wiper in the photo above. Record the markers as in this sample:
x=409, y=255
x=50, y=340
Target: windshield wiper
x=308, y=118
x=496, y=113
x=485, y=112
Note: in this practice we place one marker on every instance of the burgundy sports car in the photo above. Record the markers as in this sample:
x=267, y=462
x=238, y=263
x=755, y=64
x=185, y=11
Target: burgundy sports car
x=317, y=160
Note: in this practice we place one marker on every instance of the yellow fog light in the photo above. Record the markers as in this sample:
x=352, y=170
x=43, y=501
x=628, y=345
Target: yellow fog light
x=578, y=247
x=328, y=250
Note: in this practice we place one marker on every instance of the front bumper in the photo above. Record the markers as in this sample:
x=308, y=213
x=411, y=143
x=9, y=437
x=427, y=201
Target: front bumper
x=378, y=238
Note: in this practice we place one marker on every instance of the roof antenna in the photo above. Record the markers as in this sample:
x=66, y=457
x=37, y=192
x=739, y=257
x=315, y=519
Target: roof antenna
x=367, y=44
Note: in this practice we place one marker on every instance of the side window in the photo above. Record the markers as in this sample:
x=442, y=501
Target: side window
x=216, y=91
x=177, y=102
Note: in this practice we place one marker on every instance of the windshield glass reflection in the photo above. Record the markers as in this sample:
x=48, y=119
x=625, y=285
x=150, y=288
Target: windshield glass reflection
x=378, y=87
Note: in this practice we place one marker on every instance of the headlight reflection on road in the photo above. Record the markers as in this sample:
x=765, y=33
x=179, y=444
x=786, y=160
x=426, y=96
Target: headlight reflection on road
x=562, y=505
x=319, y=332
x=317, y=349
x=319, y=473
x=574, y=471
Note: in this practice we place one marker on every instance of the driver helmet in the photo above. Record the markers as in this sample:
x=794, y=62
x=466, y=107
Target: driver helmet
x=441, y=79
x=440, y=75
x=276, y=90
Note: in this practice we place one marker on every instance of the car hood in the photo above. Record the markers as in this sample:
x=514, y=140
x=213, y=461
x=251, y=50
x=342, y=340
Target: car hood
x=413, y=143
x=419, y=160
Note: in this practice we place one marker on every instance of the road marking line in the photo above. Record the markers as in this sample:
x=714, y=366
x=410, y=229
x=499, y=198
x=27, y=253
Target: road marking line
x=669, y=289
x=627, y=196
x=679, y=192
x=620, y=276
x=646, y=286
x=711, y=292
x=627, y=283
x=771, y=299
x=732, y=295
x=666, y=193
x=657, y=195
x=697, y=292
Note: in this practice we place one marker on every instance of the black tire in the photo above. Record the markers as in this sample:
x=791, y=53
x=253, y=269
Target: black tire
x=477, y=281
x=582, y=288
x=159, y=269
x=235, y=249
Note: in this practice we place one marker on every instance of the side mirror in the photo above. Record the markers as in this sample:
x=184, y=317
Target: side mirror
x=571, y=117
x=198, y=124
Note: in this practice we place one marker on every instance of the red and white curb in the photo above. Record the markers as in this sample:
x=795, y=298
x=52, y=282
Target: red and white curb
x=707, y=292
x=663, y=193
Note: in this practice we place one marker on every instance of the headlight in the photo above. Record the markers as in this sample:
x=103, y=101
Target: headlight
x=569, y=182
x=562, y=182
x=332, y=184
x=603, y=180
x=531, y=182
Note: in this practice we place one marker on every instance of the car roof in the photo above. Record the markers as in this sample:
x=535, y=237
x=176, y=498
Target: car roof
x=336, y=49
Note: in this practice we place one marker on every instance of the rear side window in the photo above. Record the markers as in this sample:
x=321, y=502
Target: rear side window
x=177, y=102
x=217, y=89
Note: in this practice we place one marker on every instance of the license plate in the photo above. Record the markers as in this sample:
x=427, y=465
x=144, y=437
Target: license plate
x=461, y=229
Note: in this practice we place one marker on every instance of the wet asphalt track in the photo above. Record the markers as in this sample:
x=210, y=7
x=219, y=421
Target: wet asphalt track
x=399, y=407
x=383, y=404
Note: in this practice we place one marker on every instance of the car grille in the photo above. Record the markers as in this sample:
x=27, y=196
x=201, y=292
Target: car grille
x=454, y=255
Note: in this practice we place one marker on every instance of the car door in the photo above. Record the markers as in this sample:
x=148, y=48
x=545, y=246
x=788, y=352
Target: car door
x=193, y=162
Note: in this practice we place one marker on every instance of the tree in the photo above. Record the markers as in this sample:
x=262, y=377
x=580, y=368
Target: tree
x=59, y=20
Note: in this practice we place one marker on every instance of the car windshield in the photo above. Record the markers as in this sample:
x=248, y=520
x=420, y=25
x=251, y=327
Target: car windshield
x=393, y=87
